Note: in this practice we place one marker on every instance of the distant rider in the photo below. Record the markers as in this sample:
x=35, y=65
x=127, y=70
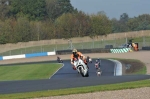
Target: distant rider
x=89, y=59
x=76, y=54
x=58, y=58
x=98, y=72
x=98, y=59
x=97, y=63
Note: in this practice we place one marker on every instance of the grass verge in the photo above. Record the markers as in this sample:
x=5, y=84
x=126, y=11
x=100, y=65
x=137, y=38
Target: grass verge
x=133, y=66
x=28, y=71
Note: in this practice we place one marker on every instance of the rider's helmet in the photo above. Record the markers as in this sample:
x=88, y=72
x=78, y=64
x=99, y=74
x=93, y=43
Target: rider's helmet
x=74, y=51
x=96, y=60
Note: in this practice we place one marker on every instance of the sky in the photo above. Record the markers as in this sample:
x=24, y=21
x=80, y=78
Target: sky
x=113, y=8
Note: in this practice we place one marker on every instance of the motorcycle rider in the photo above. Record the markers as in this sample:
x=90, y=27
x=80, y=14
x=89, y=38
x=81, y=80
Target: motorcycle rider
x=89, y=59
x=76, y=54
x=98, y=72
x=97, y=61
x=58, y=59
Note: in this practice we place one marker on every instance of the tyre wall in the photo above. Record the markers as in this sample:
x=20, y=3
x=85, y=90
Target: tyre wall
x=122, y=50
x=146, y=48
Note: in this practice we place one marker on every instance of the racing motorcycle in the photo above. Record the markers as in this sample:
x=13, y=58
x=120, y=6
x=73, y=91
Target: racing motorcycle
x=97, y=65
x=59, y=60
x=81, y=67
x=89, y=59
x=98, y=70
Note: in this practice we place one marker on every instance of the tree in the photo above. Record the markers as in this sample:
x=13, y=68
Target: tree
x=5, y=32
x=32, y=9
x=73, y=25
x=22, y=31
x=4, y=9
x=82, y=25
x=101, y=13
x=133, y=24
x=56, y=8
x=100, y=25
x=141, y=22
x=65, y=24
x=115, y=25
x=123, y=22
x=144, y=21
x=35, y=30
x=47, y=30
x=124, y=18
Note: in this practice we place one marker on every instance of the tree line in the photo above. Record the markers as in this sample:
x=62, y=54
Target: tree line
x=32, y=20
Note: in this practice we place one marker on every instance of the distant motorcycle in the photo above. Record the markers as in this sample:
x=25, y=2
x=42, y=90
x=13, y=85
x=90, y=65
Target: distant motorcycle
x=89, y=59
x=97, y=65
x=81, y=67
x=99, y=72
x=59, y=60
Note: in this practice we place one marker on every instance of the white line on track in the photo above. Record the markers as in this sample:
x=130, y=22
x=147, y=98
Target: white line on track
x=57, y=70
x=118, y=68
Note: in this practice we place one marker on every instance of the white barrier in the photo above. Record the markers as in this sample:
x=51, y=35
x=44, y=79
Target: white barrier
x=23, y=56
x=13, y=57
x=51, y=53
x=118, y=68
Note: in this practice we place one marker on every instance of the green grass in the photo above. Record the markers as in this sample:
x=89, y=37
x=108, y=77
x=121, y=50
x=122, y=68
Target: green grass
x=82, y=45
x=142, y=68
x=28, y=72
x=80, y=90
x=137, y=67
x=141, y=71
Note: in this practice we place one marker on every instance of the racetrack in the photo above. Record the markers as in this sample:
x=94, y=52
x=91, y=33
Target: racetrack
x=66, y=77
x=68, y=72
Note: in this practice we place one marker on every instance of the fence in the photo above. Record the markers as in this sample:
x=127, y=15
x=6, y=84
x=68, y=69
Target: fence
x=115, y=39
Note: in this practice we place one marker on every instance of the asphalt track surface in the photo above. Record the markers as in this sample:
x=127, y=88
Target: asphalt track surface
x=66, y=77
